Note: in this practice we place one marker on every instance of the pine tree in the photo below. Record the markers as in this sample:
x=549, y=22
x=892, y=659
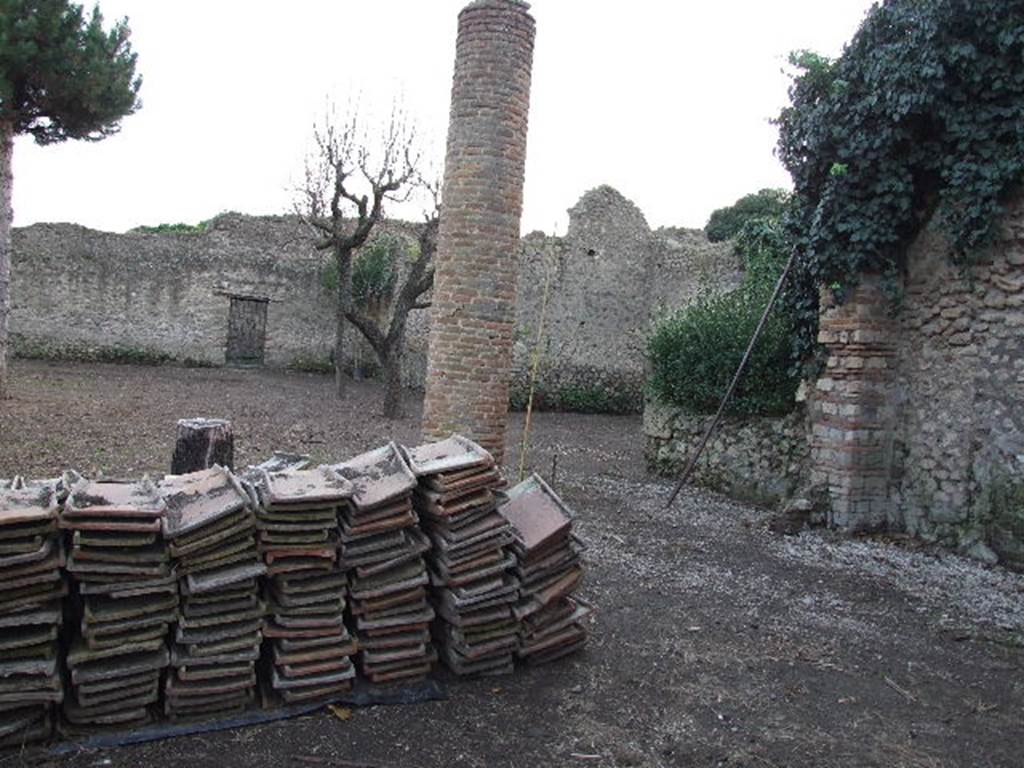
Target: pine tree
x=62, y=76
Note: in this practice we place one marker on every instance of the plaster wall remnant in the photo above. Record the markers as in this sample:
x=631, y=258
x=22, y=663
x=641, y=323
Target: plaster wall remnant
x=474, y=298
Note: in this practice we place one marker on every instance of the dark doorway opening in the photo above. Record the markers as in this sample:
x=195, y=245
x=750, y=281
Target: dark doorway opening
x=247, y=331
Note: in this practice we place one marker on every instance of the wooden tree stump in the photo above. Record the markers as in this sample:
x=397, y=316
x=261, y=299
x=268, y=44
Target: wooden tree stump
x=202, y=443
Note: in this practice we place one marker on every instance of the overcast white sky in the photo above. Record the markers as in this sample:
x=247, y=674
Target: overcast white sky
x=666, y=101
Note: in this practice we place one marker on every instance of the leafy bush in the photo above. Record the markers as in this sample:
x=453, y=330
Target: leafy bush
x=85, y=353
x=581, y=389
x=727, y=222
x=374, y=270
x=921, y=114
x=695, y=352
x=763, y=244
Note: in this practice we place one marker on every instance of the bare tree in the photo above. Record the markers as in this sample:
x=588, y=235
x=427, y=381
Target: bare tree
x=389, y=343
x=348, y=180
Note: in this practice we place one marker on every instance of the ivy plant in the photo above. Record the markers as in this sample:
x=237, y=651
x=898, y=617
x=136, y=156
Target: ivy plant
x=921, y=116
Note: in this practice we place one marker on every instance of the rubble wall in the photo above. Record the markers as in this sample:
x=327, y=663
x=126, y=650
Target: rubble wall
x=759, y=460
x=606, y=280
x=85, y=293
x=959, y=456
x=917, y=423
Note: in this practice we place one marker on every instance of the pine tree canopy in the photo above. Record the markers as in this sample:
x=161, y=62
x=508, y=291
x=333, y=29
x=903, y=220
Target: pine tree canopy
x=61, y=75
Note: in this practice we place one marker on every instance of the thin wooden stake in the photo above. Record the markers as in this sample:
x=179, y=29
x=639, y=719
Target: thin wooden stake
x=533, y=373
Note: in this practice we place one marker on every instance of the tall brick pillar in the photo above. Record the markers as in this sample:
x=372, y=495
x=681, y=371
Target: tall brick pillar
x=853, y=413
x=474, y=303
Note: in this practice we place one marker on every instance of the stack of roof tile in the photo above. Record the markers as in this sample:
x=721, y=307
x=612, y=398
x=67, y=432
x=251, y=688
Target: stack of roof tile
x=211, y=528
x=382, y=548
x=31, y=588
x=308, y=650
x=125, y=602
x=549, y=569
x=470, y=563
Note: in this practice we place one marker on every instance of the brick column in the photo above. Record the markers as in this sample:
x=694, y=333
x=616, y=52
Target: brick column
x=853, y=413
x=474, y=303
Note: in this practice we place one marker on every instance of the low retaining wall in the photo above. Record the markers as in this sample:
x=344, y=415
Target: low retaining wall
x=759, y=460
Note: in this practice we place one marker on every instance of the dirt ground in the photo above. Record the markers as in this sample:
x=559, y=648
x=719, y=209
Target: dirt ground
x=716, y=642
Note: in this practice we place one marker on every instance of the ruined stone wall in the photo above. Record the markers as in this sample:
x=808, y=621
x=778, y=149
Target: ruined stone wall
x=78, y=290
x=960, y=368
x=918, y=420
x=759, y=460
x=609, y=278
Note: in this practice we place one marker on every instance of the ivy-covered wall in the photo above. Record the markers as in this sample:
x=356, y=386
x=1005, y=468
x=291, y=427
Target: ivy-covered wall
x=917, y=423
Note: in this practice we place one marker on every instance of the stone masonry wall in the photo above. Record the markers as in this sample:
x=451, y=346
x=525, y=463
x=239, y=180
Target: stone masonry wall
x=77, y=290
x=609, y=277
x=166, y=295
x=474, y=301
x=918, y=421
x=960, y=367
x=759, y=460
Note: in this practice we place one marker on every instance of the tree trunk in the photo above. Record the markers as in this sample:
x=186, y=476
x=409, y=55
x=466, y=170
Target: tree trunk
x=391, y=365
x=202, y=443
x=6, y=218
x=344, y=303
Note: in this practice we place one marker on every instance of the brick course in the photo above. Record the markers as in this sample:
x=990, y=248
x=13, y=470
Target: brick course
x=852, y=411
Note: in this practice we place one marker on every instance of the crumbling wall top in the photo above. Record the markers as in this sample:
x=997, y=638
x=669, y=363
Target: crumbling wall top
x=498, y=4
x=606, y=206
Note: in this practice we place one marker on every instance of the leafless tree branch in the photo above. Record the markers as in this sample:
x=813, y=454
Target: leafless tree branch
x=349, y=178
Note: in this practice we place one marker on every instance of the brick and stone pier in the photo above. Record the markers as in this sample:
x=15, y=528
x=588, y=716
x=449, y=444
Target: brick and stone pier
x=853, y=412
x=474, y=303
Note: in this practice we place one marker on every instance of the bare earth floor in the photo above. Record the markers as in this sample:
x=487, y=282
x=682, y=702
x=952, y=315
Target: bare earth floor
x=716, y=643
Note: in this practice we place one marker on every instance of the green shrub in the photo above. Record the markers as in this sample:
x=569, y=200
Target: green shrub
x=181, y=228
x=763, y=245
x=578, y=389
x=726, y=223
x=594, y=399
x=374, y=270
x=695, y=352
x=80, y=352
